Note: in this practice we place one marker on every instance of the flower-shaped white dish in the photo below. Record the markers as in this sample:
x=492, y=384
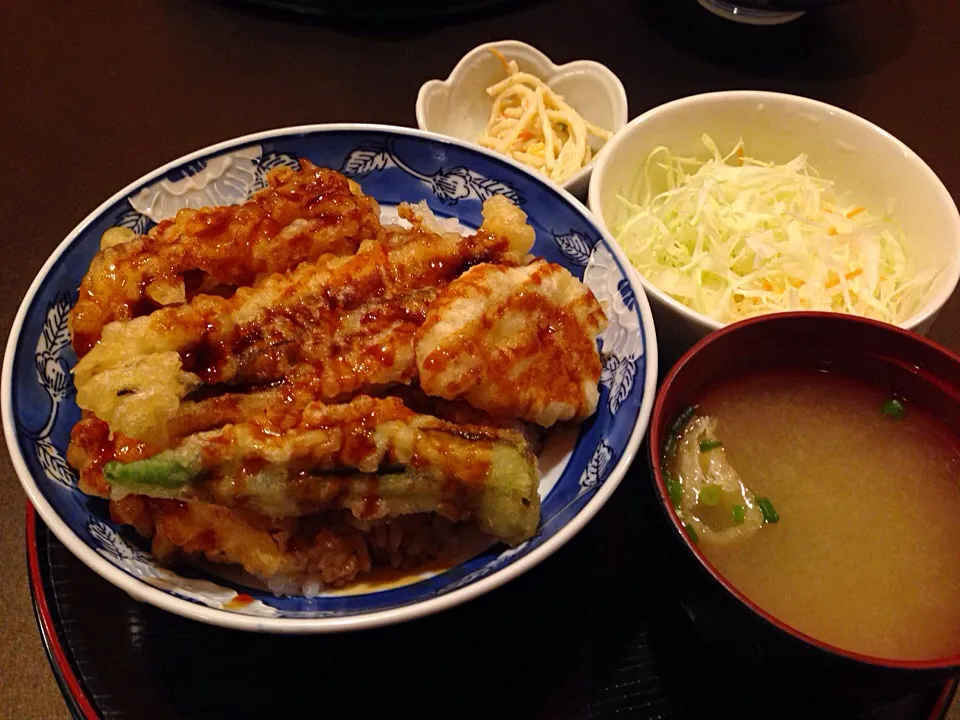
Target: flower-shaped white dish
x=460, y=106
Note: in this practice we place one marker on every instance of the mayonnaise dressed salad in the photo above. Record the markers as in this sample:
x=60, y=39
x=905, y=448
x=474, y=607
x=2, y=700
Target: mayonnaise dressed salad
x=733, y=236
x=535, y=126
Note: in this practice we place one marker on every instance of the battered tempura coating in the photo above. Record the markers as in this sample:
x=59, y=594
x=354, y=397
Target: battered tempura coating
x=309, y=420
x=326, y=547
x=301, y=215
x=92, y=444
x=348, y=320
x=516, y=342
x=264, y=546
x=407, y=463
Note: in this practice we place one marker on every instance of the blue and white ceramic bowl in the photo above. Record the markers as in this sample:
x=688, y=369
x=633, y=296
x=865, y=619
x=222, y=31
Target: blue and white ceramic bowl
x=582, y=466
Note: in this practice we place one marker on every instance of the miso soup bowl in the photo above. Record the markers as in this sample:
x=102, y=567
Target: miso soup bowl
x=867, y=163
x=901, y=362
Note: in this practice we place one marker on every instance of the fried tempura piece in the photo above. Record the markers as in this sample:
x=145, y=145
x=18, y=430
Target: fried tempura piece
x=263, y=546
x=501, y=217
x=92, y=444
x=282, y=405
x=300, y=216
x=515, y=342
x=286, y=553
x=427, y=465
x=349, y=321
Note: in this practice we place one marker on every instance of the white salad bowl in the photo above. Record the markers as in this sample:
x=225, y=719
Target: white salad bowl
x=868, y=165
x=460, y=106
x=581, y=466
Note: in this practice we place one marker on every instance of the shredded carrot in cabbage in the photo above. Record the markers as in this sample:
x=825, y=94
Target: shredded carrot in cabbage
x=733, y=236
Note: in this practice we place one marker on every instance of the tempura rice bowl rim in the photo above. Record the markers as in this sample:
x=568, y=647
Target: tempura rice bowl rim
x=660, y=426
x=141, y=591
x=931, y=306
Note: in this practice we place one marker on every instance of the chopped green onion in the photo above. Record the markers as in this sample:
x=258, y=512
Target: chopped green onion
x=894, y=408
x=676, y=493
x=769, y=511
x=691, y=533
x=739, y=514
x=709, y=495
x=681, y=422
x=708, y=445
x=674, y=488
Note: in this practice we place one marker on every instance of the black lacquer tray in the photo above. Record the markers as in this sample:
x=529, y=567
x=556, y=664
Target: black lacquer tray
x=590, y=633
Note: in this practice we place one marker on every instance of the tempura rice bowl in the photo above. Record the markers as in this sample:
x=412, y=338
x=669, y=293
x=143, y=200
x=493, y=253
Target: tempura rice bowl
x=580, y=467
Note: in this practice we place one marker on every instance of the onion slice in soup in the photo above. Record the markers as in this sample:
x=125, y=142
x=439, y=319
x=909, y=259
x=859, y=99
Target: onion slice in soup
x=712, y=490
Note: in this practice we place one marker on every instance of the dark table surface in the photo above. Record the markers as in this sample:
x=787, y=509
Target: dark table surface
x=93, y=95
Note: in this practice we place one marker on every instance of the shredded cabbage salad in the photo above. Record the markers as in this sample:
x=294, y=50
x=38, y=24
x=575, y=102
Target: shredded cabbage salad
x=734, y=236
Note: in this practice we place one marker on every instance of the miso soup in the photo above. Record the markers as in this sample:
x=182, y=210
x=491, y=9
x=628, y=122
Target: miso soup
x=832, y=507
